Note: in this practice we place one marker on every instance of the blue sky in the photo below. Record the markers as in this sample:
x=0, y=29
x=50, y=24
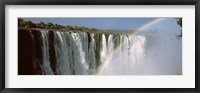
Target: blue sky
x=110, y=23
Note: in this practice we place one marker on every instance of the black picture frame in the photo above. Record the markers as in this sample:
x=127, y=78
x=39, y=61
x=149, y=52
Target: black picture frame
x=3, y=3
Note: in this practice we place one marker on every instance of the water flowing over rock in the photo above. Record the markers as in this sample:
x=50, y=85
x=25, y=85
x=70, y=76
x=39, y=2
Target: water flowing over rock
x=48, y=52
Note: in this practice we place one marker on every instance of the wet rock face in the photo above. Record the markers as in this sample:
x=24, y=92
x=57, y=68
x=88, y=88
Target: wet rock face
x=29, y=52
x=52, y=53
x=25, y=53
x=37, y=51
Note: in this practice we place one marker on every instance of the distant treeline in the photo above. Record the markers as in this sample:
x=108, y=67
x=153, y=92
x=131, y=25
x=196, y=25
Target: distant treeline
x=29, y=24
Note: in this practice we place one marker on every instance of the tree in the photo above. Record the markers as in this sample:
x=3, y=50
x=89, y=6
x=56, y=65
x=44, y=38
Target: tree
x=46, y=27
x=50, y=25
x=20, y=20
x=30, y=24
x=179, y=22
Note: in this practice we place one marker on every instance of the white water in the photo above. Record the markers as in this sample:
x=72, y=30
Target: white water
x=152, y=52
x=91, y=55
x=103, y=48
x=128, y=57
x=149, y=52
x=62, y=52
x=110, y=46
x=46, y=64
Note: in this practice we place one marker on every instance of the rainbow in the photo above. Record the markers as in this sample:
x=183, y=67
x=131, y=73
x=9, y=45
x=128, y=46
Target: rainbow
x=134, y=32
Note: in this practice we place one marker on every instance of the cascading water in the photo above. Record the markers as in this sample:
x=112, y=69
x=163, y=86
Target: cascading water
x=45, y=47
x=128, y=57
x=91, y=55
x=79, y=56
x=62, y=53
x=103, y=48
x=85, y=53
x=110, y=46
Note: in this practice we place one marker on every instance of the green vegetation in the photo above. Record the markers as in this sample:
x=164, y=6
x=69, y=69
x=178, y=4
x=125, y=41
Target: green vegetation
x=28, y=24
x=179, y=22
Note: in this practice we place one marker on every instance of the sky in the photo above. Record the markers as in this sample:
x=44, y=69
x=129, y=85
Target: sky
x=110, y=23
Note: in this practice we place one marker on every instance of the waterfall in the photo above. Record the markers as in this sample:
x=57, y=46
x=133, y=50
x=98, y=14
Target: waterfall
x=110, y=46
x=92, y=59
x=62, y=53
x=45, y=47
x=103, y=48
x=81, y=65
x=127, y=57
x=90, y=53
